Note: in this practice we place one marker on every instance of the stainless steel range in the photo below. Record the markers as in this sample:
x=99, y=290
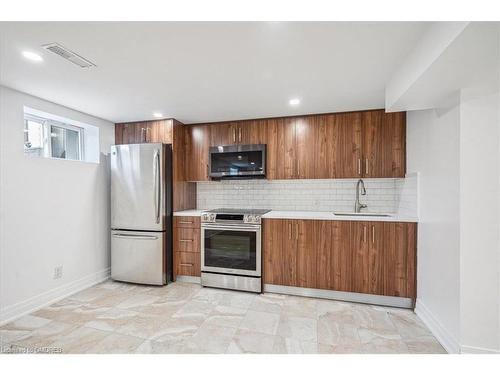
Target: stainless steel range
x=231, y=249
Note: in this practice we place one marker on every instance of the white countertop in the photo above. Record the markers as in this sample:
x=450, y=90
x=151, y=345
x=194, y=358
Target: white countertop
x=188, y=213
x=315, y=215
x=318, y=215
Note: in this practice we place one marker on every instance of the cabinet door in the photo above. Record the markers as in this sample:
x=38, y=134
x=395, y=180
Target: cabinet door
x=307, y=144
x=281, y=149
x=273, y=239
x=344, y=145
x=223, y=134
x=341, y=256
x=334, y=255
x=127, y=133
x=384, y=138
x=289, y=253
x=159, y=131
x=376, y=257
x=197, y=145
x=399, y=259
x=368, y=257
x=280, y=252
x=324, y=253
x=307, y=251
x=361, y=257
x=252, y=132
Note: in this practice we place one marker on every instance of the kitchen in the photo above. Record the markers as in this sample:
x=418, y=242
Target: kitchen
x=310, y=218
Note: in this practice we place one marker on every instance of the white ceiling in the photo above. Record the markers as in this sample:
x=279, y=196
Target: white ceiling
x=201, y=72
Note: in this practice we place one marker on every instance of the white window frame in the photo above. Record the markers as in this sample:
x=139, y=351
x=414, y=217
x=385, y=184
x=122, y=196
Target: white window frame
x=47, y=124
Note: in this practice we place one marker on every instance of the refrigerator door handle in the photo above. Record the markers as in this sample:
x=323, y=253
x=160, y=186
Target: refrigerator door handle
x=157, y=185
x=135, y=236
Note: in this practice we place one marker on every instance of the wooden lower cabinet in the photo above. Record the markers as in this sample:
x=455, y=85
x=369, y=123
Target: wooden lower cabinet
x=187, y=264
x=362, y=257
x=186, y=242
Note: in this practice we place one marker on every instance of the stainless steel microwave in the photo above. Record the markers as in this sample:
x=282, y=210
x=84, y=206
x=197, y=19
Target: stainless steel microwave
x=237, y=161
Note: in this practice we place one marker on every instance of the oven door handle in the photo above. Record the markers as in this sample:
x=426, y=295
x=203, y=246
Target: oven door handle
x=248, y=228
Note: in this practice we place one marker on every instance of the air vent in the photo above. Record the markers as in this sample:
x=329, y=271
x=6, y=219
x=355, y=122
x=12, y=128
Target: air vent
x=68, y=55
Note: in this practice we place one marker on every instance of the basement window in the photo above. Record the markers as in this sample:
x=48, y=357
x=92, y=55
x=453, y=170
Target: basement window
x=51, y=136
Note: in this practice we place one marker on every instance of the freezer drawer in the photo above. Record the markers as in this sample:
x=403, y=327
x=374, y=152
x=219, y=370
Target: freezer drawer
x=138, y=257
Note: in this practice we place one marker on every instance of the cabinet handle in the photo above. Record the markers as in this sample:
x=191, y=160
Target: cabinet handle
x=359, y=166
x=373, y=234
x=143, y=137
x=289, y=231
x=367, y=167
x=298, y=168
x=148, y=135
x=185, y=222
x=239, y=135
x=208, y=172
x=364, y=233
x=186, y=240
x=187, y=264
x=234, y=135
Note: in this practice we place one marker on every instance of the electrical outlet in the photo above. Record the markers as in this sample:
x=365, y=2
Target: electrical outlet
x=58, y=272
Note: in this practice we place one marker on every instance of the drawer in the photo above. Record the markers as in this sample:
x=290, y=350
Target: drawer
x=187, y=264
x=187, y=239
x=187, y=222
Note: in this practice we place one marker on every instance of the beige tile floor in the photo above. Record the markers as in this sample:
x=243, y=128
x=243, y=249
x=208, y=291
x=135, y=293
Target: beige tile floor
x=117, y=317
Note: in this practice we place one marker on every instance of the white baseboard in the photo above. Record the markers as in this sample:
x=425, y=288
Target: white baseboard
x=448, y=342
x=12, y=312
x=476, y=350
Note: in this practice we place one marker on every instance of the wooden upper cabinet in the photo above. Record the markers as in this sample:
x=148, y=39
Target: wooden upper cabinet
x=340, y=145
x=344, y=145
x=307, y=140
x=281, y=149
x=197, y=147
x=384, y=144
x=252, y=132
x=159, y=131
x=240, y=132
x=223, y=134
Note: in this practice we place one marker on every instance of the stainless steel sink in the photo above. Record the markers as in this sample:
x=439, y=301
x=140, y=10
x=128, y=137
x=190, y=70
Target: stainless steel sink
x=361, y=214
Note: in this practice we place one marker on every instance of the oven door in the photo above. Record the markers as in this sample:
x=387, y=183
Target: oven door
x=231, y=249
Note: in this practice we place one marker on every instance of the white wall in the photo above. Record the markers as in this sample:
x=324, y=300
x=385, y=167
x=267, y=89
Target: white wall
x=433, y=151
x=53, y=213
x=479, y=221
x=457, y=154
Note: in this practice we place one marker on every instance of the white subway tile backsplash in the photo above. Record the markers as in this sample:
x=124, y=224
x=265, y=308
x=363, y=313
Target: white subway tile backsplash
x=388, y=195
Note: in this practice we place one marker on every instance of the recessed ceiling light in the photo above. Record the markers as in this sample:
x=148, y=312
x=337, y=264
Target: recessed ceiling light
x=32, y=56
x=157, y=115
x=294, y=101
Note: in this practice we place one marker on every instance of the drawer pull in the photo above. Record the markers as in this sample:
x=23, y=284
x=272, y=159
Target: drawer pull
x=187, y=264
x=186, y=240
x=185, y=222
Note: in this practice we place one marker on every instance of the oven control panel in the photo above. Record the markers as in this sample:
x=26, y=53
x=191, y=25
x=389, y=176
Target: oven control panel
x=211, y=217
x=251, y=219
x=208, y=217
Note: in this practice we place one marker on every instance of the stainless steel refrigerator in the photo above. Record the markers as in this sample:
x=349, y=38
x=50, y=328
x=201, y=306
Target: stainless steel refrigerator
x=141, y=213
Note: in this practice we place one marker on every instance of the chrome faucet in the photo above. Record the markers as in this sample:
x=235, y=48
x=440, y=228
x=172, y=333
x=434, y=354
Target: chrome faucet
x=358, y=206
